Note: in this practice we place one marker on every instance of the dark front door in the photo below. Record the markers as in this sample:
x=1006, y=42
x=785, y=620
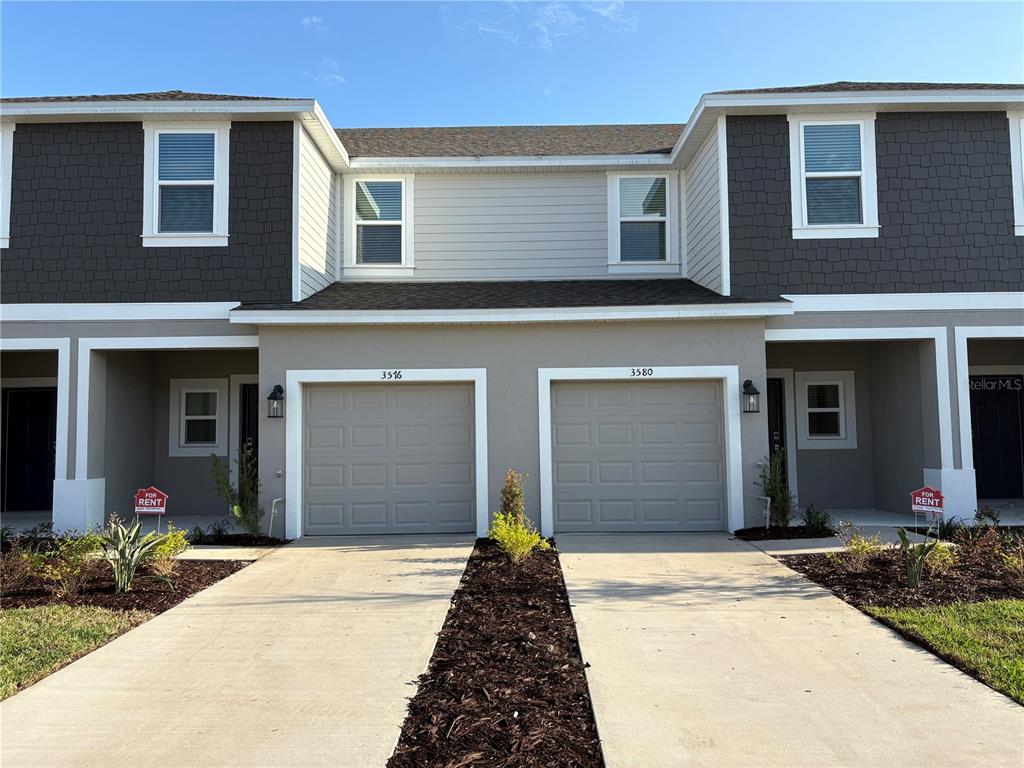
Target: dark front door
x=249, y=418
x=29, y=436
x=997, y=420
x=776, y=419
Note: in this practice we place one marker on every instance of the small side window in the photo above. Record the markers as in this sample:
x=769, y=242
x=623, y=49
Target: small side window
x=641, y=224
x=826, y=410
x=198, y=413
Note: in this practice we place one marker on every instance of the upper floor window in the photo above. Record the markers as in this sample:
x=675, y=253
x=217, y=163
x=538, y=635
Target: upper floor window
x=379, y=213
x=6, y=159
x=186, y=185
x=641, y=231
x=834, y=193
x=1017, y=168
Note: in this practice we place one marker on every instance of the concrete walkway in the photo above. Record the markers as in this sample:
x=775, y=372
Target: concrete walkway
x=705, y=651
x=303, y=658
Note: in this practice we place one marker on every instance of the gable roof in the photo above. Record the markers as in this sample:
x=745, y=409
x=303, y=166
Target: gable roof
x=152, y=96
x=846, y=86
x=511, y=140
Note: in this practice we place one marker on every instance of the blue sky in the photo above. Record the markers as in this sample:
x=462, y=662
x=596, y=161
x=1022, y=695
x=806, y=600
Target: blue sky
x=460, y=63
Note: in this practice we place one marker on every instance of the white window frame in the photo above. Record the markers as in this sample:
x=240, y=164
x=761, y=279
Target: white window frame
x=176, y=446
x=847, y=437
x=868, y=178
x=6, y=158
x=407, y=266
x=151, y=237
x=1017, y=169
x=671, y=263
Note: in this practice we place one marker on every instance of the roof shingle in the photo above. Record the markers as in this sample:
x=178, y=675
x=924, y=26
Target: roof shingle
x=511, y=140
x=847, y=86
x=153, y=96
x=507, y=294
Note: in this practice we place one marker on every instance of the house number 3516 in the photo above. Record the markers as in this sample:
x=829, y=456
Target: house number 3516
x=638, y=372
x=390, y=375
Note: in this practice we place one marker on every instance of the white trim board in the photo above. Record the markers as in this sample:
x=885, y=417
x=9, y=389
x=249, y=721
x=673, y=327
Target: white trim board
x=729, y=375
x=456, y=316
x=962, y=362
x=294, y=381
x=6, y=158
x=936, y=334
x=140, y=343
x=296, y=212
x=723, y=204
x=180, y=310
x=889, y=302
x=789, y=405
x=63, y=349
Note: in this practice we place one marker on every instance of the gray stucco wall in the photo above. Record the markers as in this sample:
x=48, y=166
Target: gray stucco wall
x=945, y=207
x=76, y=220
x=994, y=352
x=128, y=457
x=511, y=355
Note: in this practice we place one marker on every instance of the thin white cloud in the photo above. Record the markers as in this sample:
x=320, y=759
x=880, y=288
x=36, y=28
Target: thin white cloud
x=555, y=20
x=329, y=75
x=314, y=24
x=614, y=15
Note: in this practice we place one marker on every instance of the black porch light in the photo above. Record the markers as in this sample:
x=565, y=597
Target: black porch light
x=275, y=402
x=751, y=398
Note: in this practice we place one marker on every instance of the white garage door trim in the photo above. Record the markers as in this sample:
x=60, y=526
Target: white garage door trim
x=294, y=382
x=729, y=375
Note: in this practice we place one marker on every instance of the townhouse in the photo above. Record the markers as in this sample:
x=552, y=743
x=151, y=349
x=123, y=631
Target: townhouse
x=635, y=316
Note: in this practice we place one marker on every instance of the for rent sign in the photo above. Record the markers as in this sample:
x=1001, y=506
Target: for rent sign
x=150, y=501
x=928, y=500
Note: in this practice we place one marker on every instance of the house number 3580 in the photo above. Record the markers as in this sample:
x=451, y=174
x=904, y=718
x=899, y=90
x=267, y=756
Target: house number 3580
x=637, y=372
x=390, y=375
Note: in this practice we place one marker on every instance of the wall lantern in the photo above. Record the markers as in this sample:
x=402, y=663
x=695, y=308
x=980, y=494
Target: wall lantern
x=275, y=402
x=751, y=398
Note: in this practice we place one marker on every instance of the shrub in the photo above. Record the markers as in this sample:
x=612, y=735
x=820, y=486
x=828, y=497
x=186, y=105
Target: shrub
x=948, y=527
x=914, y=556
x=69, y=562
x=243, y=498
x=940, y=560
x=172, y=544
x=125, y=550
x=979, y=546
x=516, y=538
x=776, y=489
x=512, y=496
x=817, y=519
x=858, y=550
x=16, y=569
x=1013, y=558
x=986, y=516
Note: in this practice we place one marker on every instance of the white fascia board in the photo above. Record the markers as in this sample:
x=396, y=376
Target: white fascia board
x=78, y=108
x=460, y=316
x=519, y=161
x=52, y=313
x=890, y=302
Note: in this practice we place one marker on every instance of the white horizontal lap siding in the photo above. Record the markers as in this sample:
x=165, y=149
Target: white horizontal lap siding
x=703, y=217
x=318, y=224
x=486, y=227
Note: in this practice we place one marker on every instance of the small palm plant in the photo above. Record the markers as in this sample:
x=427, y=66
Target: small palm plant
x=126, y=551
x=915, y=555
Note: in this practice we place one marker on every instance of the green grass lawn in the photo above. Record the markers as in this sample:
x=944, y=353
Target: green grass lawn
x=984, y=639
x=35, y=642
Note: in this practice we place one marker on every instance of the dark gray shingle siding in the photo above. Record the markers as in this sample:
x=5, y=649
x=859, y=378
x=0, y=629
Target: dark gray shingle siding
x=76, y=220
x=945, y=207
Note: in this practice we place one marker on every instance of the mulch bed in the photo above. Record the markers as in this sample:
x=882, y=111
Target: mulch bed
x=147, y=594
x=926, y=531
x=238, y=540
x=883, y=582
x=760, y=533
x=505, y=686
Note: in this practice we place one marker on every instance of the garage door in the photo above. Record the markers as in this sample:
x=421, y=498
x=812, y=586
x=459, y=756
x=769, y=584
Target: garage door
x=638, y=456
x=388, y=458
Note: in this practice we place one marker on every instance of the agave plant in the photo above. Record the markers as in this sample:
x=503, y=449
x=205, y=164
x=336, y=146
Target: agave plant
x=125, y=550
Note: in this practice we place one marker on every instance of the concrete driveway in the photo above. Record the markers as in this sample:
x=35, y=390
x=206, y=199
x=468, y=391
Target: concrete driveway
x=303, y=658
x=707, y=652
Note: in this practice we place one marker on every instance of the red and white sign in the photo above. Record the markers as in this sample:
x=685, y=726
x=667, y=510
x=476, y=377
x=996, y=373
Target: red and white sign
x=150, y=501
x=928, y=500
